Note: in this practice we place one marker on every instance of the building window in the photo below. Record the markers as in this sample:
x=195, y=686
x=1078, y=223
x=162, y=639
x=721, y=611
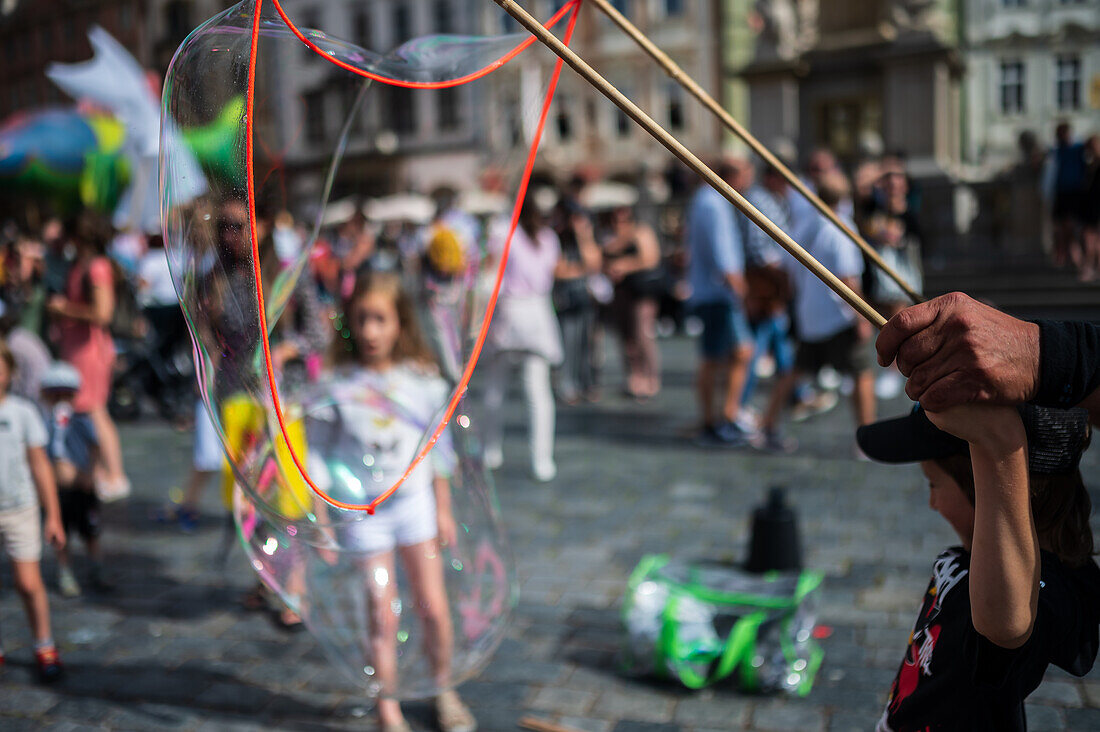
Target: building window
x=1012, y=87
x=311, y=19
x=623, y=6
x=623, y=123
x=126, y=16
x=508, y=24
x=676, y=120
x=443, y=20
x=315, y=116
x=511, y=122
x=448, y=109
x=673, y=7
x=362, y=27
x=177, y=19
x=402, y=28
x=563, y=121
x=399, y=106
x=349, y=95
x=1068, y=82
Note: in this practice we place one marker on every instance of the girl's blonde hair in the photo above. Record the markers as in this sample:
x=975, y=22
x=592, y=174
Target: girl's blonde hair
x=410, y=346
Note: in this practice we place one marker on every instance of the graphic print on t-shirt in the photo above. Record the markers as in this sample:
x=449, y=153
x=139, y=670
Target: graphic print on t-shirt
x=947, y=572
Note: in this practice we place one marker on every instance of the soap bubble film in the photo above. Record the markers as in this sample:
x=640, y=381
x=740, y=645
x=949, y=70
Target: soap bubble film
x=217, y=267
x=342, y=478
x=404, y=622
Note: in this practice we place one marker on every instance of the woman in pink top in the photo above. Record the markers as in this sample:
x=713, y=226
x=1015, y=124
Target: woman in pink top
x=83, y=317
x=524, y=332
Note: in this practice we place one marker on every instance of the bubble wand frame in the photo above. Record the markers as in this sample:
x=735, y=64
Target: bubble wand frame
x=674, y=146
x=683, y=79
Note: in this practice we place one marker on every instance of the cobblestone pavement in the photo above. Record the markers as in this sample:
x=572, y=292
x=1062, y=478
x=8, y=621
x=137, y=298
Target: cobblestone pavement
x=172, y=649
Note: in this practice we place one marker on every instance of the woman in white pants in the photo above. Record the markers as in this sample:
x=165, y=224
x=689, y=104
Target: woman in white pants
x=524, y=333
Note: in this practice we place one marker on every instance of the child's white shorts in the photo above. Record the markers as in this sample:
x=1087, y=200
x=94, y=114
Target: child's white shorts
x=21, y=533
x=400, y=521
x=207, y=455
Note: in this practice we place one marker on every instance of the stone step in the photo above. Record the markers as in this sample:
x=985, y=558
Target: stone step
x=1039, y=292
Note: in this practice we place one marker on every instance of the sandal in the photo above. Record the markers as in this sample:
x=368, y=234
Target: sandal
x=254, y=599
x=290, y=621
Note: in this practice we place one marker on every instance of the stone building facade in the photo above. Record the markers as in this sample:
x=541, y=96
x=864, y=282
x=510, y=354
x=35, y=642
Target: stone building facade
x=35, y=34
x=1030, y=64
x=858, y=76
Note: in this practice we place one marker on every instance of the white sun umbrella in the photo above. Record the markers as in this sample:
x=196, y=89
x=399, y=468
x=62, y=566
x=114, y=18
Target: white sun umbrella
x=113, y=79
x=338, y=212
x=606, y=195
x=482, y=203
x=411, y=207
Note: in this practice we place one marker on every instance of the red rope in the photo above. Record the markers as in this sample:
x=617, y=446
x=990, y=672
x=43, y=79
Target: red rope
x=526, y=43
x=460, y=390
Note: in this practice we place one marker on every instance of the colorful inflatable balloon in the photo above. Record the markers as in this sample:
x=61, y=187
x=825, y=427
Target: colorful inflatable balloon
x=61, y=155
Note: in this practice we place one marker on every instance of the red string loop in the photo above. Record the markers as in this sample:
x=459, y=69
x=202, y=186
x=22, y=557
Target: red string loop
x=573, y=8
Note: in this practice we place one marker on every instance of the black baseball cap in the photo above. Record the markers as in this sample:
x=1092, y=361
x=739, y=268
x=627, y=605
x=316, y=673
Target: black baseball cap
x=1056, y=439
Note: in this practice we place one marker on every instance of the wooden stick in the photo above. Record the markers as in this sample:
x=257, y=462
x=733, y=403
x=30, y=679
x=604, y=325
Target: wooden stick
x=676, y=148
x=543, y=725
x=680, y=76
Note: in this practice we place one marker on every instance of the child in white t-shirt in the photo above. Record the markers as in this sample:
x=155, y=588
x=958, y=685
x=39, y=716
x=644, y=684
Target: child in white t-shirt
x=28, y=483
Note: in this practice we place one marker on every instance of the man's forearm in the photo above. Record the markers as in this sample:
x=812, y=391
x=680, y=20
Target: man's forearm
x=1069, y=364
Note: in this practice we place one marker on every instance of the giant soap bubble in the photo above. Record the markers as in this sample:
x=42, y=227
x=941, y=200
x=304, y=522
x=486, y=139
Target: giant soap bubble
x=341, y=479
x=402, y=622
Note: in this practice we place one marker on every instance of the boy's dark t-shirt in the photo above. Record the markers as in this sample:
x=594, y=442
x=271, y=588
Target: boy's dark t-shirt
x=952, y=678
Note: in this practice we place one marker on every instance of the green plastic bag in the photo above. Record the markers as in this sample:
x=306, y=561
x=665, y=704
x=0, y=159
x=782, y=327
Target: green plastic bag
x=703, y=622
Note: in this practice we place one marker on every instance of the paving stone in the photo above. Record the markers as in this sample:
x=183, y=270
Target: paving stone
x=172, y=649
x=1082, y=719
x=1043, y=718
x=553, y=699
x=846, y=721
x=87, y=710
x=630, y=725
x=783, y=715
x=27, y=702
x=583, y=724
x=20, y=724
x=1063, y=693
x=633, y=704
x=708, y=710
x=1091, y=691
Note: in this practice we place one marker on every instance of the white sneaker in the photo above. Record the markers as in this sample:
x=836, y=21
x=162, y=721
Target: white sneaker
x=544, y=472
x=66, y=583
x=494, y=457
x=748, y=419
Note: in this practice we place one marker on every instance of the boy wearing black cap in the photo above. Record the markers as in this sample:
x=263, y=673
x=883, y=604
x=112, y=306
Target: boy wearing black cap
x=1022, y=591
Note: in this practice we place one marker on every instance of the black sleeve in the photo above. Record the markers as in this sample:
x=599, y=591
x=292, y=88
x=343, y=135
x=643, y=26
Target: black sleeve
x=1055, y=637
x=1069, y=362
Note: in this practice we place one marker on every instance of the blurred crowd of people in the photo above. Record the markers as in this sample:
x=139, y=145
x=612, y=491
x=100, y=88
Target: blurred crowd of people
x=1071, y=184
x=91, y=321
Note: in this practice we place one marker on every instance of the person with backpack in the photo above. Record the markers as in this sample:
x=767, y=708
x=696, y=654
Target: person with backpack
x=82, y=317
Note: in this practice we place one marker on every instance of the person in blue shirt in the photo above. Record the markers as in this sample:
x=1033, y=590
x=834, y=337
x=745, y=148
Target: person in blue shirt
x=1068, y=160
x=716, y=275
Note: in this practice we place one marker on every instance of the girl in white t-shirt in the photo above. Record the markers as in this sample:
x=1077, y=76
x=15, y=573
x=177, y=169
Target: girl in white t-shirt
x=387, y=391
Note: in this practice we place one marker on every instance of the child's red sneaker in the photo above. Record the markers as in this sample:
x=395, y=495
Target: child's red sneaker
x=49, y=664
